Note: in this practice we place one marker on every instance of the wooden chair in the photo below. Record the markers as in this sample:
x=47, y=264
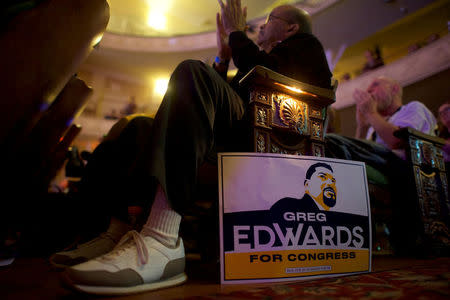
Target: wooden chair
x=41, y=49
x=286, y=116
x=425, y=159
x=45, y=149
x=425, y=154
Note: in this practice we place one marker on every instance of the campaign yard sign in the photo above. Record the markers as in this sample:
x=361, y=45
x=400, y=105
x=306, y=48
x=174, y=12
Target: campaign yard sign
x=286, y=217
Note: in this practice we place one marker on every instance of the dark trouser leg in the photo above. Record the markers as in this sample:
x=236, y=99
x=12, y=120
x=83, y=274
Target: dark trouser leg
x=198, y=108
x=371, y=153
x=197, y=111
x=115, y=176
x=404, y=227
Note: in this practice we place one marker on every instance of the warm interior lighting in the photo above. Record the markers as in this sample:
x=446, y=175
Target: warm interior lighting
x=160, y=87
x=156, y=20
x=97, y=39
x=232, y=72
x=294, y=89
x=157, y=13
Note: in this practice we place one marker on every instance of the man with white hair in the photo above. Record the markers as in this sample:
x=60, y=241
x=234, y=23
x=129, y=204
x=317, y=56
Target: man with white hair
x=379, y=113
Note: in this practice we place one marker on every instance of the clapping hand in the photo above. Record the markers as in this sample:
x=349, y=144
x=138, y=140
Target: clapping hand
x=224, y=51
x=365, y=105
x=234, y=18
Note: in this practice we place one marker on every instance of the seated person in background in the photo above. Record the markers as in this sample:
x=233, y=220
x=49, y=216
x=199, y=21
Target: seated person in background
x=432, y=38
x=199, y=112
x=373, y=59
x=130, y=108
x=113, y=115
x=413, y=48
x=380, y=112
x=444, y=130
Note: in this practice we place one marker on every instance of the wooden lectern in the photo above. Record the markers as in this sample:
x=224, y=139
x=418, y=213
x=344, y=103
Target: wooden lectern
x=286, y=116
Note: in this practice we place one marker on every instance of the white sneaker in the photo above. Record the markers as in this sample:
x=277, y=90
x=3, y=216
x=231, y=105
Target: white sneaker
x=100, y=245
x=137, y=264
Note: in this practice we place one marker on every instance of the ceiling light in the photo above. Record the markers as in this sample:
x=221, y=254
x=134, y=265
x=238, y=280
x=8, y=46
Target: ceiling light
x=156, y=20
x=157, y=13
x=160, y=86
x=96, y=40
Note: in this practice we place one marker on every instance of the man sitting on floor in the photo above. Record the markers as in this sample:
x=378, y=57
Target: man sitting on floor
x=199, y=112
x=379, y=113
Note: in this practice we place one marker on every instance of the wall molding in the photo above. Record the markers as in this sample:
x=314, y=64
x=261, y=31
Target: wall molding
x=201, y=41
x=421, y=64
x=93, y=127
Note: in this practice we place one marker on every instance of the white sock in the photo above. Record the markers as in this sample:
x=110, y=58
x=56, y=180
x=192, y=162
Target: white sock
x=163, y=223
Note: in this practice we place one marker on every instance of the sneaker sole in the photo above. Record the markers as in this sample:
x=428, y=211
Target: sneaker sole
x=111, y=291
x=6, y=261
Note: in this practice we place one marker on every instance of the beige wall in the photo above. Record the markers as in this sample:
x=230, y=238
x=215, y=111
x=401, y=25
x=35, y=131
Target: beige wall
x=113, y=91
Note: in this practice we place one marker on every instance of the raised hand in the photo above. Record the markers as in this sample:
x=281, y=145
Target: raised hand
x=234, y=18
x=364, y=105
x=224, y=51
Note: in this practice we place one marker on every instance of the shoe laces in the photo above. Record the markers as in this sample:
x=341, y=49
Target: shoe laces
x=131, y=238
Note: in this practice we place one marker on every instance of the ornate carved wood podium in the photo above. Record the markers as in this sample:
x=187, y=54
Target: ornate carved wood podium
x=286, y=116
x=424, y=152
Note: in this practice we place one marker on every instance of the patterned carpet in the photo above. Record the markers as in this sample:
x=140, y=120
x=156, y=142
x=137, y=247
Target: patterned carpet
x=421, y=282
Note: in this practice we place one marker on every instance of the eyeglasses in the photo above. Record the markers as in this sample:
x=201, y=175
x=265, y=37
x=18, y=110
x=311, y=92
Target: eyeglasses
x=271, y=17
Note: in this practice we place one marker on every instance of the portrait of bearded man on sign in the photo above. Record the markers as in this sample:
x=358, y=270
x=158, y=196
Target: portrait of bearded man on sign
x=320, y=185
x=320, y=191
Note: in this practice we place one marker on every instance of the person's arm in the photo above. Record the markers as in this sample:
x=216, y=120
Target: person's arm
x=384, y=129
x=300, y=57
x=223, y=57
x=361, y=124
x=246, y=53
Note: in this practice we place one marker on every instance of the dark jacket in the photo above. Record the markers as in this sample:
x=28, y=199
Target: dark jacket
x=300, y=57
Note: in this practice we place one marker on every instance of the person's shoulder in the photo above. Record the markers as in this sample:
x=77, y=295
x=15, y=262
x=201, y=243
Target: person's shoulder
x=304, y=37
x=284, y=202
x=294, y=204
x=303, y=43
x=416, y=106
x=416, y=115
